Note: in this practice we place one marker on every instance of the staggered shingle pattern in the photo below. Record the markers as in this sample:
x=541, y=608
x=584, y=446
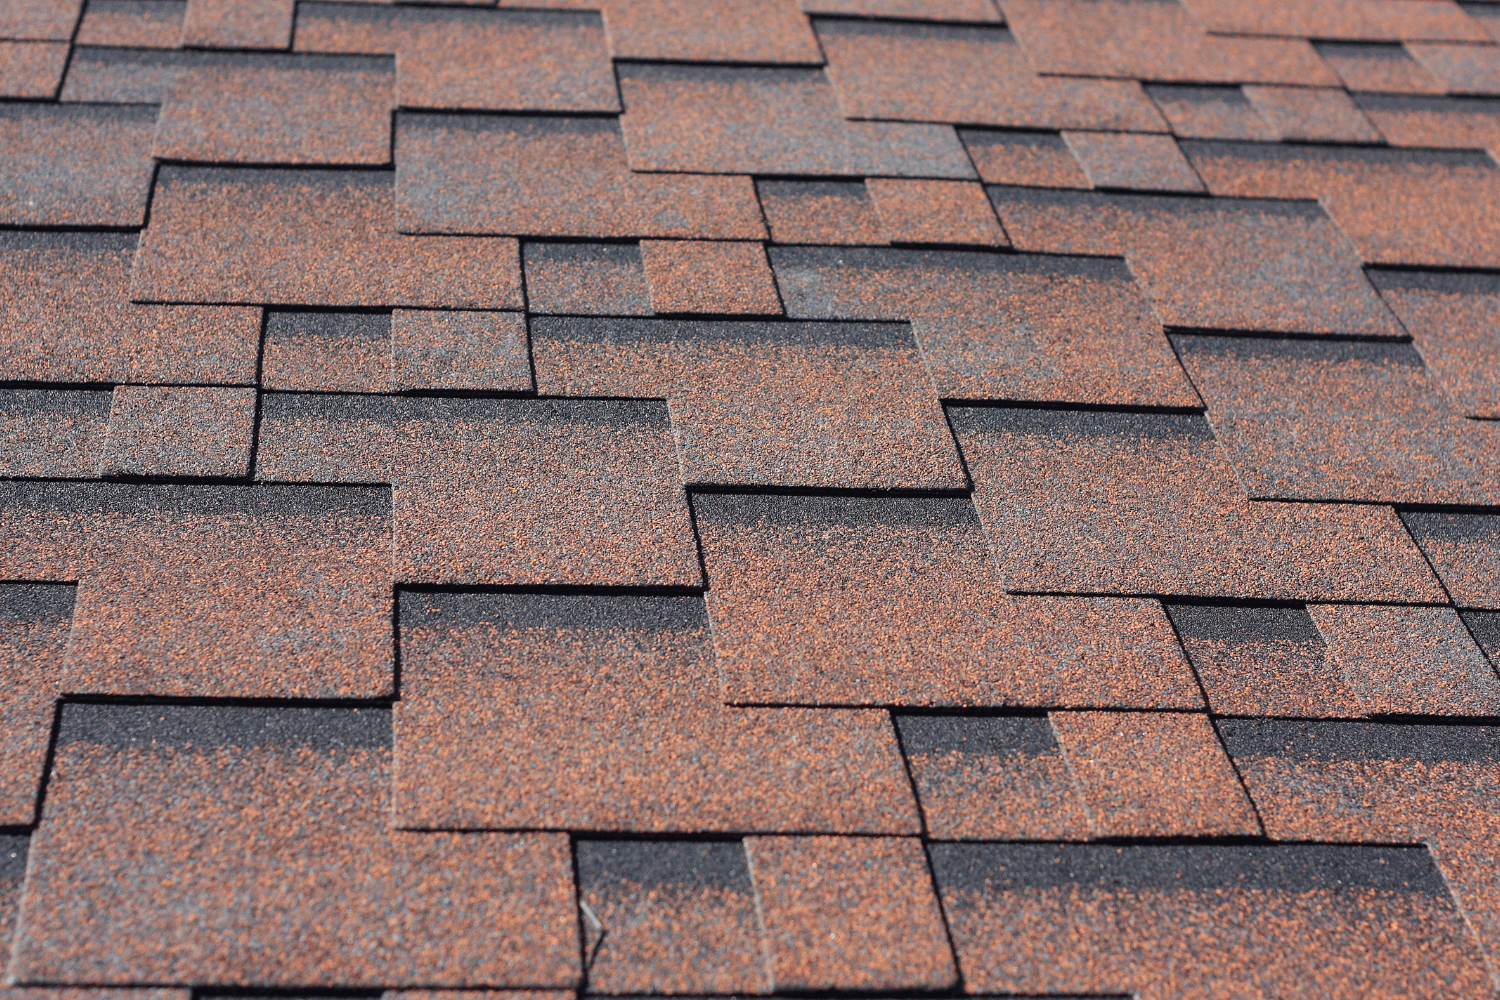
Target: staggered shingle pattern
x=538, y=498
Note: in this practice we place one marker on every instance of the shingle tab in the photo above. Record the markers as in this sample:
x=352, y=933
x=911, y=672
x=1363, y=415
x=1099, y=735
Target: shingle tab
x=1179, y=919
x=1339, y=420
x=32, y=70
x=34, y=626
x=151, y=24
x=1153, y=775
x=179, y=432
x=1000, y=326
x=1397, y=207
x=212, y=591
x=66, y=316
x=331, y=241
x=767, y=404
x=673, y=916
x=991, y=778
x=473, y=59
x=47, y=433
x=486, y=909
x=1353, y=782
x=279, y=109
x=504, y=692
x=967, y=76
x=75, y=164
x=547, y=176
x=1210, y=262
x=1148, y=504
x=886, y=601
x=1265, y=660
x=732, y=31
x=1153, y=40
x=812, y=891
x=238, y=24
x=768, y=121
x=699, y=276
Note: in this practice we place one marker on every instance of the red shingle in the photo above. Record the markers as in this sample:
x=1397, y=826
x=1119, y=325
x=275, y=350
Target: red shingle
x=238, y=24
x=212, y=591
x=767, y=404
x=279, y=109
x=952, y=213
x=675, y=916
x=977, y=11
x=551, y=492
x=1219, y=263
x=479, y=60
x=825, y=212
x=44, y=20
x=504, y=694
x=1209, y=113
x=1134, y=162
x=179, y=432
x=327, y=352
x=1441, y=122
x=75, y=164
x=126, y=76
x=738, y=31
x=1397, y=207
x=1353, y=782
x=1351, y=20
x=1339, y=420
x=320, y=883
x=1409, y=661
x=1152, y=40
x=65, y=316
x=991, y=778
x=501, y=492
x=459, y=351
x=1379, y=69
x=1462, y=69
x=307, y=237
x=968, y=76
x=607, y=279
x=696, y=276
x=151, y=24
x=47, y=433
x=1028, y=159
x=1147, y=504
x=34, y=626
x=829, y=600
x=553, y=177
x=849, y=913
x=1464, y=550
x=704, y=119
x=1263, y=661
x=325, y=438
x=1000, y=326
x=1201, y=920
x=173, y=345
x=1153, y=775
x=32, y=69
x=1311, y=113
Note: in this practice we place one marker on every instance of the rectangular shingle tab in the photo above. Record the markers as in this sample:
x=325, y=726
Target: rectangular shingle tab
x=267, y=784
x=331, y=241
x=503, y=691
x=556, y=177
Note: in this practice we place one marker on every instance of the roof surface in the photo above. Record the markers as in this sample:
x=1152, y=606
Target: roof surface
x=733, y=497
